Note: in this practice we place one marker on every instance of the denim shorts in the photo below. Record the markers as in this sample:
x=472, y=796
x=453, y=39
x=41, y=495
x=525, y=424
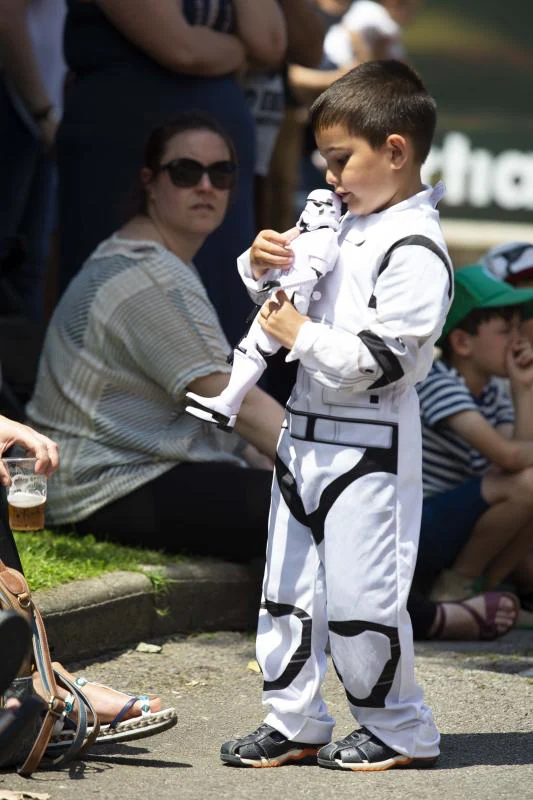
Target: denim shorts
x=447, y=522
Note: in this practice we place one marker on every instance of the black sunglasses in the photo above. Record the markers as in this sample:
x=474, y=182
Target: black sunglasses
x=186, y=172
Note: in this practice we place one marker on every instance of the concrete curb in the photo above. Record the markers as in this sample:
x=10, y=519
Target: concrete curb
x=89, y=617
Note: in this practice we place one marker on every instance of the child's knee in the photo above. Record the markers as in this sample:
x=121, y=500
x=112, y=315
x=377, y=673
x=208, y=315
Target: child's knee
x=521, y=487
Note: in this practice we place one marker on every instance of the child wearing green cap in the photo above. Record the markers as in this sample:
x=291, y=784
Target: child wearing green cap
x=478, y=454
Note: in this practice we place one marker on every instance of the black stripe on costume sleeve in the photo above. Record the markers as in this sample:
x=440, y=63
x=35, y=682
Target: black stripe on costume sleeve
x=421, y=241
x=389, y=363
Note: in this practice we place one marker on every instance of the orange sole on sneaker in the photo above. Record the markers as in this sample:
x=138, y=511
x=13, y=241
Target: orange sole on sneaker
x=265, y=763
x=380, y=766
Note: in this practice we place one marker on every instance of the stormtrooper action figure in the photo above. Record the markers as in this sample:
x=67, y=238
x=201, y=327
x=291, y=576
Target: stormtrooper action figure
x=315, y=253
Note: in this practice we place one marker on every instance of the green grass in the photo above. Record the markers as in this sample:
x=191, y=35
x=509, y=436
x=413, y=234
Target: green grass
x=50, y=559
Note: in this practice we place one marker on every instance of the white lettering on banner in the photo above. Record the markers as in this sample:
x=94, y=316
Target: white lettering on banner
x=478, y=178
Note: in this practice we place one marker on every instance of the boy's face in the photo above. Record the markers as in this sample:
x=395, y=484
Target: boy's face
x=489, y=347
x=365, y=178
x=527, y=324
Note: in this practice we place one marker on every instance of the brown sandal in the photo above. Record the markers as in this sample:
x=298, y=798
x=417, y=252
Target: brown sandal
x=486, y=624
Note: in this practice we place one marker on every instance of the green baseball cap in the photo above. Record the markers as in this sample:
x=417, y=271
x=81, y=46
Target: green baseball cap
x=476, y=287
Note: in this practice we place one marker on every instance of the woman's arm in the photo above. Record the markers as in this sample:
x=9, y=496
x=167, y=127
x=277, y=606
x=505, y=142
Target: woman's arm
x=159, y=29
x=18, y=61
x=262, y=29
x=308, y=83
x=305, y=32
x=260, y=417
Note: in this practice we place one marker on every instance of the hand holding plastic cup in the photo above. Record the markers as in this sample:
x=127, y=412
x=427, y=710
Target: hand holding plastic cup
x=26, y=494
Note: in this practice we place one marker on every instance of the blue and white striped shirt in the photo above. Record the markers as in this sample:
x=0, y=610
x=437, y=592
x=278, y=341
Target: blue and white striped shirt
x=447, y=460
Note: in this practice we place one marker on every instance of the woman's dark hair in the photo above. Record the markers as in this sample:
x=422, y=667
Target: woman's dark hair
x=160, y=136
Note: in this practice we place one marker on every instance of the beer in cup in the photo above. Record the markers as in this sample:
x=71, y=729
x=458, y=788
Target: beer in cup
x=26, y=494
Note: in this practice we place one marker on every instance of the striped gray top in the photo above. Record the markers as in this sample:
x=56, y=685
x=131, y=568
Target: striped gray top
x=447, y=459
x=131, y=332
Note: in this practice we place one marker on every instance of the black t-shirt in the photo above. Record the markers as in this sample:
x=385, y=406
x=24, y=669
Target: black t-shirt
x=91, y=41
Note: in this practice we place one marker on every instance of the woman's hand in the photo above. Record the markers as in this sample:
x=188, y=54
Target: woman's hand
x=278, y=317
x=262, y=29
x=270, y=250
x=41, y=447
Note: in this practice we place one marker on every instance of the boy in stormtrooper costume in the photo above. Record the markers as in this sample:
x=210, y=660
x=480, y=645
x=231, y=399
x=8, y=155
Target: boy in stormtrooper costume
x=315, y=254
x=347, y=490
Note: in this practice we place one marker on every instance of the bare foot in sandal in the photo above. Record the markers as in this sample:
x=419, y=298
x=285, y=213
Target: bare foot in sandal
x=107, y=702
x=485, y=616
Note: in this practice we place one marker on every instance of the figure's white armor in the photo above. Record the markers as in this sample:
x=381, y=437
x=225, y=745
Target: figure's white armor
x=315, y=253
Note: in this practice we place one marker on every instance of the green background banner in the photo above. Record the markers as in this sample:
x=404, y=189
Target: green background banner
x=476, y=57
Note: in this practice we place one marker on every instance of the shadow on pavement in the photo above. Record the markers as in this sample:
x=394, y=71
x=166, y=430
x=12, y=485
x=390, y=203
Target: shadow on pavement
x=104, y=758
x=461, y=750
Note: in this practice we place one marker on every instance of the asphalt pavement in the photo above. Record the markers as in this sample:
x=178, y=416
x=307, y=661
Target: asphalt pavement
x=481, y=696
x=203, y=616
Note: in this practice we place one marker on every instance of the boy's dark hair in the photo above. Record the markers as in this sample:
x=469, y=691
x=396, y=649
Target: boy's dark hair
x=470, y=324
x=377, y=99
x=160, y=136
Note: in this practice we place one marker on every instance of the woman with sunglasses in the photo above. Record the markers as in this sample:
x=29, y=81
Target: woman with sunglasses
x=132, y=334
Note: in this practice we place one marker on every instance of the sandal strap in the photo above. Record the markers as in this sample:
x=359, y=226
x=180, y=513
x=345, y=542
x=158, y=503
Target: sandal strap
x=144, y=699
x=440, y=614
x=123, y=711
x=84, y=736
x=487, y=627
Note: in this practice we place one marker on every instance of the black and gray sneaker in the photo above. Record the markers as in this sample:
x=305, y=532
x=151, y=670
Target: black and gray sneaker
x=364, y=752
x=266, y=747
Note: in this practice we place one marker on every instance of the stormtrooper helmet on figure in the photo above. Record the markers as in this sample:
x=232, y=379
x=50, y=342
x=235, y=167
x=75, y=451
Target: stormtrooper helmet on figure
x=322, y=210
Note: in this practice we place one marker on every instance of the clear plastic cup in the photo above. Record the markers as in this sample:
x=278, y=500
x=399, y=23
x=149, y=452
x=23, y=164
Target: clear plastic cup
x=26, y=494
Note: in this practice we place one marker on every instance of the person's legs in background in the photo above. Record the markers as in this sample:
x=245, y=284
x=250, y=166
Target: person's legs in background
x=447, y=523
x=484, y=616
x=25, y=208
x=208, y=508
x=36, y=226
x=277, y=207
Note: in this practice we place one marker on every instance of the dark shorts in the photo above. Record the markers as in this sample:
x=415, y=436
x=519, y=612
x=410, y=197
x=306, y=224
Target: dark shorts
x=447, y=522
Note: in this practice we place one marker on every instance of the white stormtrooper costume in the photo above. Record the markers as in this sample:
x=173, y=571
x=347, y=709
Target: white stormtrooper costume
x=315, y=254
x=347, y=493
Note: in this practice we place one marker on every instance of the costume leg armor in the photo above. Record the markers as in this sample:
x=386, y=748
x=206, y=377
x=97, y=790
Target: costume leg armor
x=361, y=510
x=292, y=630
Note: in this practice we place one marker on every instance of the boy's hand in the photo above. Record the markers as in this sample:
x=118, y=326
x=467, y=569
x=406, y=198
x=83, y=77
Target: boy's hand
x=271, y=250
x=278, y=317
x=520, y=363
